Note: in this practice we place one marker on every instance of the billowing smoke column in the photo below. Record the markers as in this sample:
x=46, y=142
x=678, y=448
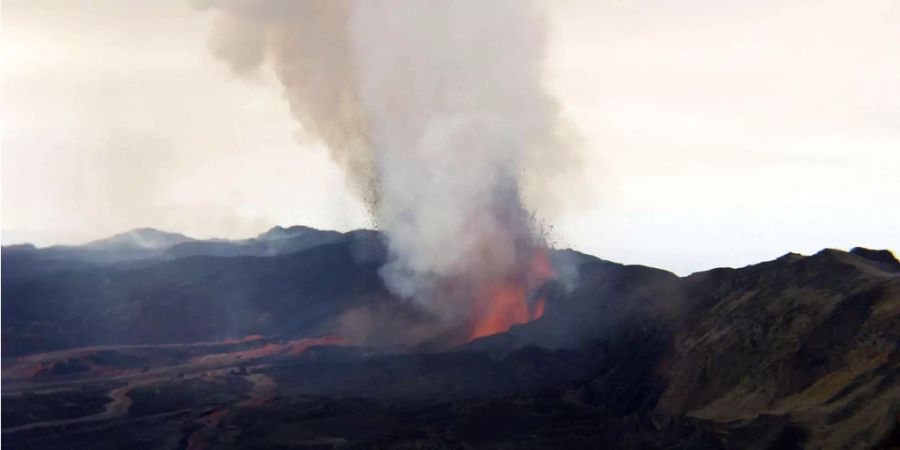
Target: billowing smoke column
x=437, y=112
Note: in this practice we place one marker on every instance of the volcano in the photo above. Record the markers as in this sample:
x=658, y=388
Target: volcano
x=219, y=344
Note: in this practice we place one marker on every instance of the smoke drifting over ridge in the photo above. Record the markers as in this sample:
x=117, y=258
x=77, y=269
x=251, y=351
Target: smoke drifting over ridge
x=437, y=112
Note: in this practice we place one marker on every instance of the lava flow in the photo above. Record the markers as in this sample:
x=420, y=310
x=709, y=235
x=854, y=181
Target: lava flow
x=506, y=304
x=293, y=348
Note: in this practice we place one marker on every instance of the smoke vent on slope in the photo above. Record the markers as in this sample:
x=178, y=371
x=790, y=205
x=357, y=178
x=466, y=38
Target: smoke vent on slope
x=437, y=112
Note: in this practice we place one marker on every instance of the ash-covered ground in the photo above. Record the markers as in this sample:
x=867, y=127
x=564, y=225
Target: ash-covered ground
x=238, y=344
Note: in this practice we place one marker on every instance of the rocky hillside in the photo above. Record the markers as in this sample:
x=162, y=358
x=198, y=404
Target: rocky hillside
x=811, y=338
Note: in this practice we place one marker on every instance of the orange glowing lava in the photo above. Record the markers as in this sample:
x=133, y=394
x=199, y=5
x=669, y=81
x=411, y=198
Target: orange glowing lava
x=248, y=338
x=506, y=304
x=538, y=309
x=293, y=348
x=298, y=347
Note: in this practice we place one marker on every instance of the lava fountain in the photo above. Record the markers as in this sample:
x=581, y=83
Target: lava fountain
x=438, y=114
x=506, y=304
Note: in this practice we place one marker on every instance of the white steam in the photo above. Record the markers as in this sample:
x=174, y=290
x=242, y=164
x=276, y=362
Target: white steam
x=436, y=110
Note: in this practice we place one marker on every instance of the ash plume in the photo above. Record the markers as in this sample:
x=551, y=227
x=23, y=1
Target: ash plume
x=437, y=112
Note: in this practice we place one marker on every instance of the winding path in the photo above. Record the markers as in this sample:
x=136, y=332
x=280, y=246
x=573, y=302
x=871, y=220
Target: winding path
x=118, y=406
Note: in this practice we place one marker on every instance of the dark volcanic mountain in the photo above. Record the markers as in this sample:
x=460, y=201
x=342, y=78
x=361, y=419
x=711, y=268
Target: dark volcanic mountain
x=148, y=342
x=144, y=246
x=189, y=299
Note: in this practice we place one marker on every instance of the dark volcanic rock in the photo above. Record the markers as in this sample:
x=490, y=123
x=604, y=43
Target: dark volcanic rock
x=810, y=335
x=798, y=352
x=882, y=256
x=191, y=299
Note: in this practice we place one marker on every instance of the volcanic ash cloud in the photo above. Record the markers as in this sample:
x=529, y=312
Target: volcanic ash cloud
x=437, y=112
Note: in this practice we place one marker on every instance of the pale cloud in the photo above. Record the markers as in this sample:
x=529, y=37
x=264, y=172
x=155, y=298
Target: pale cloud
x=713, y=133
x=116, y=116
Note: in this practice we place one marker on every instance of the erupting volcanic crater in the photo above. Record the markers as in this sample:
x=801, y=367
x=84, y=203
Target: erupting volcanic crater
x=506, y=304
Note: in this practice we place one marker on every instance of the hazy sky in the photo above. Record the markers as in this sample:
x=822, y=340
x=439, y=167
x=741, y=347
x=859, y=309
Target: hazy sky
x=714, y=133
